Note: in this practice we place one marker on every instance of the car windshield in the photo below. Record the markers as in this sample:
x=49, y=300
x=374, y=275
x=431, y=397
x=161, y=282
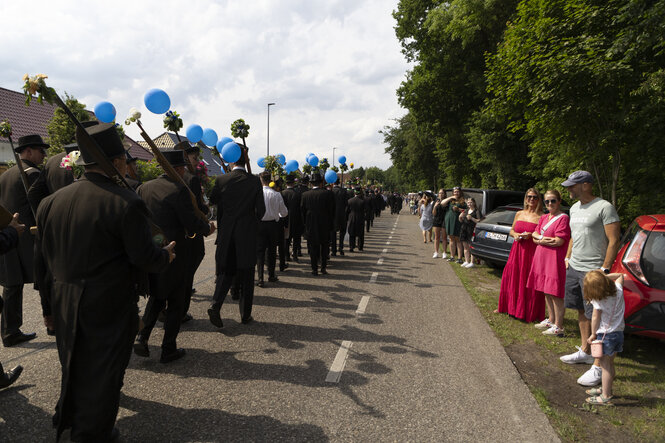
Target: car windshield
x=502, y=217
x=653, y=260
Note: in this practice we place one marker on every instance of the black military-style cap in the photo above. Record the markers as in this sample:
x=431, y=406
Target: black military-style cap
x=106, y=137
x=175, y=156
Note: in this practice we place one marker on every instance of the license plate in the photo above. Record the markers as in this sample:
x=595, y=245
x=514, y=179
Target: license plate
x=496, y=236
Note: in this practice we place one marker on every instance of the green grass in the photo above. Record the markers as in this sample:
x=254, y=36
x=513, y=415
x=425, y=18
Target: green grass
x=640, y=368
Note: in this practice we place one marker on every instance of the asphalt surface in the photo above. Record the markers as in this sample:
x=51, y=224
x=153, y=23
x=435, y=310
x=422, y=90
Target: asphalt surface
x=421, y=363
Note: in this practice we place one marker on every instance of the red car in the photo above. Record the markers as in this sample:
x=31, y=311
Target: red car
x=642, y=259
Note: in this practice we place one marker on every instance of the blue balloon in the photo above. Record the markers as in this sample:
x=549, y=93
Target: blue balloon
x=331, y=176
x=280, y=159
x=261, y=162
x=194, y=133
x=231, y=152
x=222, y=141
x=157, y=101
x=105, y=112
x=342, y=159
x=209, y=137
x=313, y=161
x=291, y=166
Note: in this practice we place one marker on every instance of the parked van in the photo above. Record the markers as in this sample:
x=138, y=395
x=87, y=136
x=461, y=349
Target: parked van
x=490, y=199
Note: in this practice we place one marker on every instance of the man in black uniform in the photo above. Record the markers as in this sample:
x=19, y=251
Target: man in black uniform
x=196, y=244
x=356, y=213
x=369, y=209
x=8, y=240
x=318, y=209
x=292, y=197
x=172, y=210
x=239, y=199
x=302, y=187
x=93, y=247
x=341, y=203
x=132, y=177
x=16, y=266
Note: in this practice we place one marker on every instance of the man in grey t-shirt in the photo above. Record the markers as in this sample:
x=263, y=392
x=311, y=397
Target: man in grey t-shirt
x=595, y=229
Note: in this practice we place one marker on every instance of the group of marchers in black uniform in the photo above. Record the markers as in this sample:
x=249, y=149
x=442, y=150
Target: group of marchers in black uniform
x=98, y=246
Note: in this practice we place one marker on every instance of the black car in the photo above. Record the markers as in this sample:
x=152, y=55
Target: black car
x=491, y=239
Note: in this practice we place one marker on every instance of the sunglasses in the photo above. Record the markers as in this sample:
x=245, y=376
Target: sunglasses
x=548, y=202
x=532, y=197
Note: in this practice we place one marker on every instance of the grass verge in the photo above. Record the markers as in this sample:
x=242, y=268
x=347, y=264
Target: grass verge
x=639, y=386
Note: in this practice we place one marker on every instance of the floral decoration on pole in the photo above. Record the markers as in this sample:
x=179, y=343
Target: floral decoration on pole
x=324, y=165
x=173, y=122
x=5, y=129
x=69, y=162
x=241, y=129
x=37, y=84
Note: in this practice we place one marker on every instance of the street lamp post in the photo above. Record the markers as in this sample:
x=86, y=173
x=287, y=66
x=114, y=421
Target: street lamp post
x=268, y=134
x=334, y=156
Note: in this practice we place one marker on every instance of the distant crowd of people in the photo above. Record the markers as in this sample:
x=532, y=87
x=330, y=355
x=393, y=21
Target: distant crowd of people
x=448, y=220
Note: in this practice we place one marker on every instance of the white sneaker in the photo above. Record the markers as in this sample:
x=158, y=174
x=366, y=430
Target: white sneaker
x=545, y=324
x=444, y=256
x=592, y=377
x=553, y=331
x=470, y=265
x=577, y=357
x=436, y=255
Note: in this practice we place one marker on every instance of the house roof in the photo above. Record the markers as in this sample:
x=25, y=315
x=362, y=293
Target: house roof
x=136, y=150
x=25, y=120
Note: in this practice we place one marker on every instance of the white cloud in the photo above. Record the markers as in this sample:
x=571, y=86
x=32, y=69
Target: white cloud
x=331, y=67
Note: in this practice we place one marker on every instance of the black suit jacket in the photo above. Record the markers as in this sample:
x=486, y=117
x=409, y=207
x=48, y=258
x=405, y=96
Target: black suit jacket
x=341, y=203
x=356, y=211
x=173, y=212
x=92, y=247
x=239, y=199
x=292, y=200
x=318, y=209
x=52, y=178
x=16, y=266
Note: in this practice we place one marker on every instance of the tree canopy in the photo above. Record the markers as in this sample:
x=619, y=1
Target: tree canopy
x=511, y=94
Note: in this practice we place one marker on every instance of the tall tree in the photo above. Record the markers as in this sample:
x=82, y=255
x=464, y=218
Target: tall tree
x=61, y=130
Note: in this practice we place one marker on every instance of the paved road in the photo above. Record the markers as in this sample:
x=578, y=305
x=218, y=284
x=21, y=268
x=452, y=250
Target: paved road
x=411, y=357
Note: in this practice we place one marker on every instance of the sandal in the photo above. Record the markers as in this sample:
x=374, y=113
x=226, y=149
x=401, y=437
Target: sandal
x=600, y=400
x=594, y=392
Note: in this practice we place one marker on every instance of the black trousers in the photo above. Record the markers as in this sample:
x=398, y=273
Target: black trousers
x=282, y=248
x=316, y=251
x=369, y=222
x=359, y=238
x=175, y=304
x=245, y=280
x=333, y=239
x=293, y=244
x=197, y=253
x=268, y=237
x=12, y=312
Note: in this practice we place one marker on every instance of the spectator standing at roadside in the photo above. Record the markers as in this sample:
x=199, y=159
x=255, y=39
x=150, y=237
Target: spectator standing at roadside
x=595, y=230
x=439, y=214
x=514, y=297
x=468, y=219
x=453, y=225
x=548, y=271
x=426, y=219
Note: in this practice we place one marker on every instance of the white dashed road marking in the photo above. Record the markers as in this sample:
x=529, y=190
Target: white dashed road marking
x=363, y=304
x=372, y=279
x=338, y=364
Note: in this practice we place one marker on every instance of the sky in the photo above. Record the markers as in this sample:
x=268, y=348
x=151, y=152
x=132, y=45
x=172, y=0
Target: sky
x=330, y=66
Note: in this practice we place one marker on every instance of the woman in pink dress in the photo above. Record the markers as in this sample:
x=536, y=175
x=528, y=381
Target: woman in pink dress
x=548, y=271
x=515, y=298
